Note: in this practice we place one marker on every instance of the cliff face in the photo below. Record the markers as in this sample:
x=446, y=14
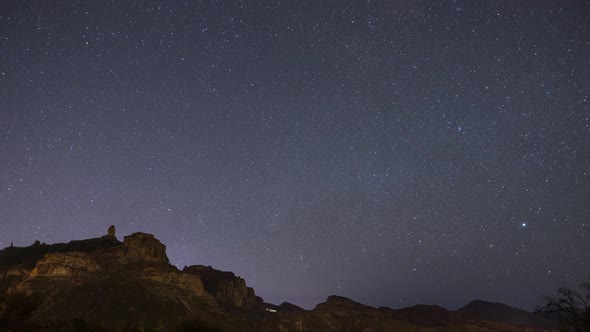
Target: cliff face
x=105, y=285
x=62, y=265
x=225, y=287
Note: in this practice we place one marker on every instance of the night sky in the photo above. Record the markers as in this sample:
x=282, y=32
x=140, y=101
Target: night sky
x=393, y=152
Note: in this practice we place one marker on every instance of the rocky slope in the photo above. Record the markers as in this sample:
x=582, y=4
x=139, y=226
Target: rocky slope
x=103, y=284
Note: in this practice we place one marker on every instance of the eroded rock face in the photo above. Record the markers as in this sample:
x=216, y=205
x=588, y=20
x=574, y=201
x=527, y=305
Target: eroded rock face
x=66, y=264
x=225, y=286
x=174, y=278
x=142, y=247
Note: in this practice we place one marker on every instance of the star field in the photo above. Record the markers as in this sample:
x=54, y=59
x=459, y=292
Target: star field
x=392, y=152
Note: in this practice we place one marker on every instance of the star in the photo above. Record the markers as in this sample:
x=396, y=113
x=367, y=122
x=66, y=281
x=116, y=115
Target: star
x=394, y=150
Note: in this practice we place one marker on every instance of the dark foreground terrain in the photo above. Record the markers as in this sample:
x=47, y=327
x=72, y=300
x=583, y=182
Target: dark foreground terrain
x=103, y=284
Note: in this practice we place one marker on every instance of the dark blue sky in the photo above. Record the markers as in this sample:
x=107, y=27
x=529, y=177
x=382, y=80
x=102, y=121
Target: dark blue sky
x=394, y=152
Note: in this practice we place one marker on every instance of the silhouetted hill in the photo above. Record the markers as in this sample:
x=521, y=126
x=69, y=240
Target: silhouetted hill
x=499, y=312
x=103, y=284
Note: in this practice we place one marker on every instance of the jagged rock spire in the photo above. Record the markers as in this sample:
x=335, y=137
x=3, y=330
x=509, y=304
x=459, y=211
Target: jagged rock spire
x=111, y=231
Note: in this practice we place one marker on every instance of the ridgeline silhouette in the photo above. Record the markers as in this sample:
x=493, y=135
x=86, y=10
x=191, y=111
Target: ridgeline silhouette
x=102, y=284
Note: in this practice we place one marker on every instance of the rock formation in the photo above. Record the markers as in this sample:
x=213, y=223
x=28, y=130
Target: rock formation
x=102, y=281
x=65, y=265
x=102, y=284
x=111, y=231
x=225, y=287
x=142, y=247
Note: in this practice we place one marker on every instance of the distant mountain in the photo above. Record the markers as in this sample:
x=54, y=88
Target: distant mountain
x=103, y=284
x=499, y=312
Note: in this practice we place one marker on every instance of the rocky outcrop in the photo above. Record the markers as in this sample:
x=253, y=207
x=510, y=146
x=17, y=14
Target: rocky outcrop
x=68, y=264
x=111, y=285
x=111, y=231
x=142, y=247
x=173, y=278
x=227, y=289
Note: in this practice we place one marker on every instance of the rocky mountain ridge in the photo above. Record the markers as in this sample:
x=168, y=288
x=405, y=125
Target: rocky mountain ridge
x=103, y=284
